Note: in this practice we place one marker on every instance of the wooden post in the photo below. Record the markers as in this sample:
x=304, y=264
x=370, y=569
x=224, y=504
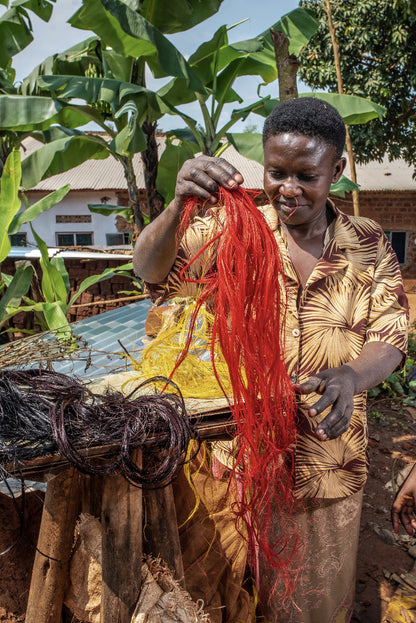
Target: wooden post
x=337, y=59
x=56, y=536
x=161, y=530
x=121, y=520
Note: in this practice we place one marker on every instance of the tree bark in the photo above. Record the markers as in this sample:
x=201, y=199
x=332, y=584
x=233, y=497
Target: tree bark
x=134, y=196
x=287, y=66
x=150, y=158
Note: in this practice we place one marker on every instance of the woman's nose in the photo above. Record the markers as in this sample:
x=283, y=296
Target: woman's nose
x=290, y=188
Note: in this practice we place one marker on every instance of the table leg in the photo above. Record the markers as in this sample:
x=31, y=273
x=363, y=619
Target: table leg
x=56, y=536
x=121, y=519
x=161, y=529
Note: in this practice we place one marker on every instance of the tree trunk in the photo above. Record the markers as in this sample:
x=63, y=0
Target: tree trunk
x=134, y=196
x=150, y=158
x=287, y=66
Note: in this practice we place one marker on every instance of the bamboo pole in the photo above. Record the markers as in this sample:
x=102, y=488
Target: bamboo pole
x=337, y=59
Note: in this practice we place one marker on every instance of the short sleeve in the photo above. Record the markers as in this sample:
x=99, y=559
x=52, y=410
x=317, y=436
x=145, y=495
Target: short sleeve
x=388, y=318
x=195, y=256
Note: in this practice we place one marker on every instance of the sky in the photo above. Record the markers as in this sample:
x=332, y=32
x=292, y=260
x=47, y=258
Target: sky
x=57, y=35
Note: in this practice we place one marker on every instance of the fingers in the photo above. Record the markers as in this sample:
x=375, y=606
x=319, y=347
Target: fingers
x=337, y=386
x=336, y=422
x=202, y=176
x=313, y=384
x=403, y=511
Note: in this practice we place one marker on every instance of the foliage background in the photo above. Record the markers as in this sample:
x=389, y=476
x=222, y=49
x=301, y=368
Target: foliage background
x=377, y=40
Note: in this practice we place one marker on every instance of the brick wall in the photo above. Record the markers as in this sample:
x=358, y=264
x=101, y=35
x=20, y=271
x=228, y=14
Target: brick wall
x=394, y=210
x=99, y=298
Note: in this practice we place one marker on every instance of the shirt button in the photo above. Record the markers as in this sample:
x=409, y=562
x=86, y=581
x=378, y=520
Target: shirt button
x=295, y=332
x=293, y=378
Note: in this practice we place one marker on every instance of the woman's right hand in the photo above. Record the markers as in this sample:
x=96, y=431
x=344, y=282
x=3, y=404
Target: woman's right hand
x=201, y=176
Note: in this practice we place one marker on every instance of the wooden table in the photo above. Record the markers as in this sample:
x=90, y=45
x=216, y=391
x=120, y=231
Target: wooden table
x=119, y=505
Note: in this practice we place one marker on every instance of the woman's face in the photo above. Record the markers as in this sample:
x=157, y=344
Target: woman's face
x=298, y=173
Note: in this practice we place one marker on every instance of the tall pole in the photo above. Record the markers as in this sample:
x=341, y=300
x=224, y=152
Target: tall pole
x=348, y=142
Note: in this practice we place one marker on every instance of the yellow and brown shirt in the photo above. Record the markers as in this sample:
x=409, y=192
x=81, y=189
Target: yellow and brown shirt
x=353, y=296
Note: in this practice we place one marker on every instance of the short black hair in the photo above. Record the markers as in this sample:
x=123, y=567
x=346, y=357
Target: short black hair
x=309, y=116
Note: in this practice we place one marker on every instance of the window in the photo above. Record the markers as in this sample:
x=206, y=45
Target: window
x=72, y=239
x=398, y=241
x=18, y=240
x=114, y=240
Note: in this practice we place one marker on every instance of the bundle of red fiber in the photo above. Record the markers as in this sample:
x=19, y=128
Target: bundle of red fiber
x=245, y=283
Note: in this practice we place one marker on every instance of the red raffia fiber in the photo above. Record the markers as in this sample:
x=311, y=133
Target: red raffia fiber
x=244, y=288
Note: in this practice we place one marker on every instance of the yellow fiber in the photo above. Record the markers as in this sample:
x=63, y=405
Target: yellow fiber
x=195, y=376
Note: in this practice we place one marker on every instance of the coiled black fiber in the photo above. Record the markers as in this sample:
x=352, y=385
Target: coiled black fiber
x=43, y=412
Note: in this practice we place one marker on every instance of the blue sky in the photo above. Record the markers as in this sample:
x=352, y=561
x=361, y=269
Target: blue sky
x=57, y=35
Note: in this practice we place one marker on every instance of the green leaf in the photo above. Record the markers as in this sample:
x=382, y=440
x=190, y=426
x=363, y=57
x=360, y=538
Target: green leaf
x=9, y=199
x=109, y=210
x=53, y=284
x=298, y=25
x=170, y=17
x=43, y=205
x=59, y=264
x=170, y=162
x=89, y=281
x=41, y=8
x=128, y=33
x=92, y=90
x=344, y=185
x=248, y=144
x=131, y=139
x=15, y=35
x=16, y=289
x=56, y=319
x=61, y=155
x=118, y=65
x=353, y=109
x=30, y=113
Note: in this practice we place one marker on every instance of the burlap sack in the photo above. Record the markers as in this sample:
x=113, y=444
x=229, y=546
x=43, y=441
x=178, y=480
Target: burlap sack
x=161, y=600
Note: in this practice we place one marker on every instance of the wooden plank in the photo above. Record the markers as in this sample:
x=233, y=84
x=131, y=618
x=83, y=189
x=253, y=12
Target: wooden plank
x=161, y=530
x=50, y=569
x=121, y=520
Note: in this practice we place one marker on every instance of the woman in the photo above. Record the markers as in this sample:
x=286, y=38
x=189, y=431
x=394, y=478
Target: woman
x=346, y=329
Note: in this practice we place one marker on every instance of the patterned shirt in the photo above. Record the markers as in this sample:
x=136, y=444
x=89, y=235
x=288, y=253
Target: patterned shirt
x=353, y=296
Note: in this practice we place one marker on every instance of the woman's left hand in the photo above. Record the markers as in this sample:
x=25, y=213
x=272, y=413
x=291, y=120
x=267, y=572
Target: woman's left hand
x=337, y=386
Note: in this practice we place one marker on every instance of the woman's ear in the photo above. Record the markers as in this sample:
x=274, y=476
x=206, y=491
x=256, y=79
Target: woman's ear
x=339, y=167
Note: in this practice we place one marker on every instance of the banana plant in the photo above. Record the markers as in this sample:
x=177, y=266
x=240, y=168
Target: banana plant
x=54, y=292
x=107, y=72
